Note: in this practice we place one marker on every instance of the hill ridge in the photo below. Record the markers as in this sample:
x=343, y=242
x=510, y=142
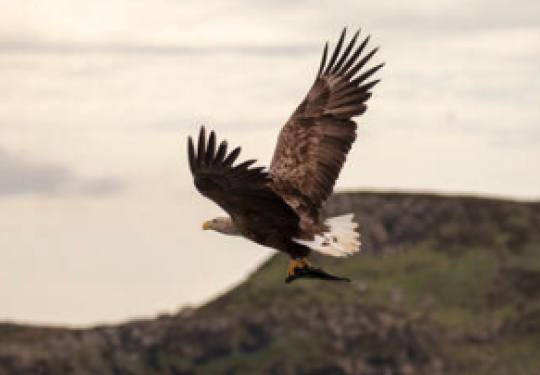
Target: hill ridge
x=446, y=285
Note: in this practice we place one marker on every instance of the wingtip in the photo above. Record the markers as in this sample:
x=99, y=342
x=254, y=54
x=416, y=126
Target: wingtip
x=336, y=52
x=233, y=155
x=346, y=53
x=212, y=137
x=201, y=147
x=191, y=154
x=202, y=133
x=323, y=60
x=368, y=86
x=210, y=148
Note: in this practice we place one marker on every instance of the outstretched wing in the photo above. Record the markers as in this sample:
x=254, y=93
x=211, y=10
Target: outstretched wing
x=314, y=142
x=240, y=190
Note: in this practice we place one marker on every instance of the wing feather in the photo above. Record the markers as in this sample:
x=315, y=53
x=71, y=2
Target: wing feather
x=240, y=190
x=323, y=59
x=336, y=52
x=222, y=151
x=211, y=148
x=313, y=144
x=201, y=146
x=355, y=55
x=360, y=64
x=346, y=52
x=231, y=158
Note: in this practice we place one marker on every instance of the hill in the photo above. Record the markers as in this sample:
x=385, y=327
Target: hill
x=445, y=285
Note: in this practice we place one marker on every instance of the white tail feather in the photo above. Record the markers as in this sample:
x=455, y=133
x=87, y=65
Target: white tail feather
x=341, y=239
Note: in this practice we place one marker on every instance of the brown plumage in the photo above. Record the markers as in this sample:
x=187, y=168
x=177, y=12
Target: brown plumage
x=280, y=208
x=313, y=144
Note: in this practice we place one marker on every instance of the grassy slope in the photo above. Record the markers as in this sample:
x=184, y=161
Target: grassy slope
x=446, y=285
x=484, y=297
x=482, y=315
x=466, y=293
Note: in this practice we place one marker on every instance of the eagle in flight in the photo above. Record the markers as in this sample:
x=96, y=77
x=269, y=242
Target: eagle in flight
x=280, y=207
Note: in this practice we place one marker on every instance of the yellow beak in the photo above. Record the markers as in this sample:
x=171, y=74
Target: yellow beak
x=207, y=225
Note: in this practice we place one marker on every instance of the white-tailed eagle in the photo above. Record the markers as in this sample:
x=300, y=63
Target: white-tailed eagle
x=280, y=207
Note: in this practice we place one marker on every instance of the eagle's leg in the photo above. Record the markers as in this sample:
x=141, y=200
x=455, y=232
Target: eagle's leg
x=297, y=264
x=300, y=268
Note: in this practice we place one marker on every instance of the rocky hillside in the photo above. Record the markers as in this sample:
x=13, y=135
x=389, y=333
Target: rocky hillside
x=446, y=285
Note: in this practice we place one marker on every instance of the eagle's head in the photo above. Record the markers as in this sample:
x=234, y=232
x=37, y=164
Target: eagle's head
x=221, y=224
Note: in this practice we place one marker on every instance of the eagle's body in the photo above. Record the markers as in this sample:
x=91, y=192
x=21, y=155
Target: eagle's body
x=279, y=208
x=268, y=231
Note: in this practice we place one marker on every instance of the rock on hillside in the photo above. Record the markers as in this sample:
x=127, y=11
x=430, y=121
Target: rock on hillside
x=446, y=285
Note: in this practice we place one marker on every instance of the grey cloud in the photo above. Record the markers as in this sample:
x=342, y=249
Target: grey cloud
x=102, y=186
x=457, y=18
x=448, y=17
x=457, y=21
x=29, y=46
x=21, y=176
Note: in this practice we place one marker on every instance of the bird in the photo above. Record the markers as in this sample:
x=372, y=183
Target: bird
x=280, y=206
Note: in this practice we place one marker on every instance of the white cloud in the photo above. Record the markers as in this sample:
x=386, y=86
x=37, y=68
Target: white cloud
x=113, y=89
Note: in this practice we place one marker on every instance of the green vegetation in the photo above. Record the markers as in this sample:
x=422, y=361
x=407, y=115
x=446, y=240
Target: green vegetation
x=446, y=285
x=476, y=300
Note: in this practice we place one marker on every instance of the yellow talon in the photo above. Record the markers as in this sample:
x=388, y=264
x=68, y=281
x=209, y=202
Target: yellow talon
x=297, y=263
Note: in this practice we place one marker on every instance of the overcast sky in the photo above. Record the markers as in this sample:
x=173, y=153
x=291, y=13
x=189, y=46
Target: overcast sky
x=99, y=221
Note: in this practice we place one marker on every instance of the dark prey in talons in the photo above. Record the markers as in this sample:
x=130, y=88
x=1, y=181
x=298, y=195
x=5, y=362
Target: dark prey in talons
x=310, y=272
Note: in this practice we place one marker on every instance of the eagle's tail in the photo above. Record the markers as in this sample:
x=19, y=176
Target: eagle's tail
x=341, y=239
